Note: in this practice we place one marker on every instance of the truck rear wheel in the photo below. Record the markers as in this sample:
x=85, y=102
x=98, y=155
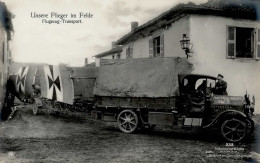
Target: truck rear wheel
x=233, y=130
x=127, y=121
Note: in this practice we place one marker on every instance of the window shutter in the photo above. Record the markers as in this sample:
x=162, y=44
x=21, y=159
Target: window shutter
x=258, y=44
x=131, y=52
x=162, y=45
x=127, y=52
x=150, y=47
x=231, y=42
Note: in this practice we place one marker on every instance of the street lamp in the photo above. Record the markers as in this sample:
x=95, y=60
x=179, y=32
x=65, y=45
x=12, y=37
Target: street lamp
x=186, y=45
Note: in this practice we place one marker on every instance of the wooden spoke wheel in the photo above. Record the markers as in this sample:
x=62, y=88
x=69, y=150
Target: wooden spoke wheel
x=127, y=121
x=233, y=130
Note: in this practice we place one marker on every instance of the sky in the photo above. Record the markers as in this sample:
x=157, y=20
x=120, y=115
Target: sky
x=35, y=41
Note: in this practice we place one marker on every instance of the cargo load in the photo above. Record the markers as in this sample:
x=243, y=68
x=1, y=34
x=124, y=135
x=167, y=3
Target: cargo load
x=146, y=77
x=84, y=79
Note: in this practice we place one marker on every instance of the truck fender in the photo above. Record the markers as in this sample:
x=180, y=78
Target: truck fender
x=223, y=114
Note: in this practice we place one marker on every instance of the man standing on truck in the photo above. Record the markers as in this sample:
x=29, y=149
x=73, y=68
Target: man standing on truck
x=221, y=86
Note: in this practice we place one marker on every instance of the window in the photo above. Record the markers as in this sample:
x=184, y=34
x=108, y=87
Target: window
x=1, y=79
x=258, y=44
x=156, y=46
x=240, y=42
x=113, y=56
x=118, y=56
x=129, y=52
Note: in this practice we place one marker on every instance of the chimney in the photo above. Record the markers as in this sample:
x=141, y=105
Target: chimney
x=113, y=44
x=86, y=61
x=134, y=25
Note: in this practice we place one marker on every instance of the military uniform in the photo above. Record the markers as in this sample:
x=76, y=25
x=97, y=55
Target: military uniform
x=221, y=88
x=36, y=90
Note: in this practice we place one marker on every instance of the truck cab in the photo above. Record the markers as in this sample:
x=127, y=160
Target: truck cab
x=195, y=92
x=199, y=101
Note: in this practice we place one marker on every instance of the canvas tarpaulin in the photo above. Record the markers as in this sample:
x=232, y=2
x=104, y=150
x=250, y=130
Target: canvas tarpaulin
x=84, y=79
x=150, y=77
x=56, y=83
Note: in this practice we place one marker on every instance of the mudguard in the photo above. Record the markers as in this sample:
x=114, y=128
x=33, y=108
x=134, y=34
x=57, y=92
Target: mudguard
x=223, y=114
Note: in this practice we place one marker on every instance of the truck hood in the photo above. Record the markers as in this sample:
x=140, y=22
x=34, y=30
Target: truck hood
x=228, y=100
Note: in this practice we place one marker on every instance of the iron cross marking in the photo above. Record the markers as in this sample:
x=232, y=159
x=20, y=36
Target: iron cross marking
x=21, y=80
x=54, y=83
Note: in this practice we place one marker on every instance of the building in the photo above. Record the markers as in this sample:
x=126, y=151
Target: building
x=6, y=29
x=113, y=53
x=225, y=38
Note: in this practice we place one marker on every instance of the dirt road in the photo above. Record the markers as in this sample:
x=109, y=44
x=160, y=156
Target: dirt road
x=43, y=138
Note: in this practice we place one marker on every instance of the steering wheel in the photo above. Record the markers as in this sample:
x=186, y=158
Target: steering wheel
x=200, y=94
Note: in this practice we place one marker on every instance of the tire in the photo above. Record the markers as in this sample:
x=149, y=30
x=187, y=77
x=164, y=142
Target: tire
x=127, y=121
x=233, y=130
x=250, y=127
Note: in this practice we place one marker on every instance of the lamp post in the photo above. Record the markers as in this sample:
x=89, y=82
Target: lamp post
x=186, y=45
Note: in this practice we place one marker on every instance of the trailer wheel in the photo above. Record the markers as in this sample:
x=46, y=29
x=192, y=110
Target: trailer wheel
x=127, y=121
x=233, y=130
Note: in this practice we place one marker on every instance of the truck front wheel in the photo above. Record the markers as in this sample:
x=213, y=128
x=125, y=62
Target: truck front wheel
x=127, y=121
x=233, y=130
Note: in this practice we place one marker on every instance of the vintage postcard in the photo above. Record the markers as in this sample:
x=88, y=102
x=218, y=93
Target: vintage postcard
x=129, y=81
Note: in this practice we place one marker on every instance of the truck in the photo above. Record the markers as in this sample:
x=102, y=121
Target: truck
x=143, y=93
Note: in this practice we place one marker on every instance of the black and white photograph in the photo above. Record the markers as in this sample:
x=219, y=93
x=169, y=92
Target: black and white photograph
x=129, y=81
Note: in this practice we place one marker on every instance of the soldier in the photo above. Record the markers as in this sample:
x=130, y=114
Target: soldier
x=221, y=86
x=202, y=86
x=36, y=90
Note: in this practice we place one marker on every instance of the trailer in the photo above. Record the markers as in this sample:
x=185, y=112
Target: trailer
x=54, y=87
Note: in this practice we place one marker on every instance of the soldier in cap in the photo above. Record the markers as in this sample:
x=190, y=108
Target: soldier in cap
x=36, y=90
x=221, y=86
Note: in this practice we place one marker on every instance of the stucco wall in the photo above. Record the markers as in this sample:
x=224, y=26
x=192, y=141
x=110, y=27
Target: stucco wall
x=3, y=66
x=97, y=62
x=140, y=48
x=172, y=37
x=98, y=59
x=107, y=57
x=208, y=35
